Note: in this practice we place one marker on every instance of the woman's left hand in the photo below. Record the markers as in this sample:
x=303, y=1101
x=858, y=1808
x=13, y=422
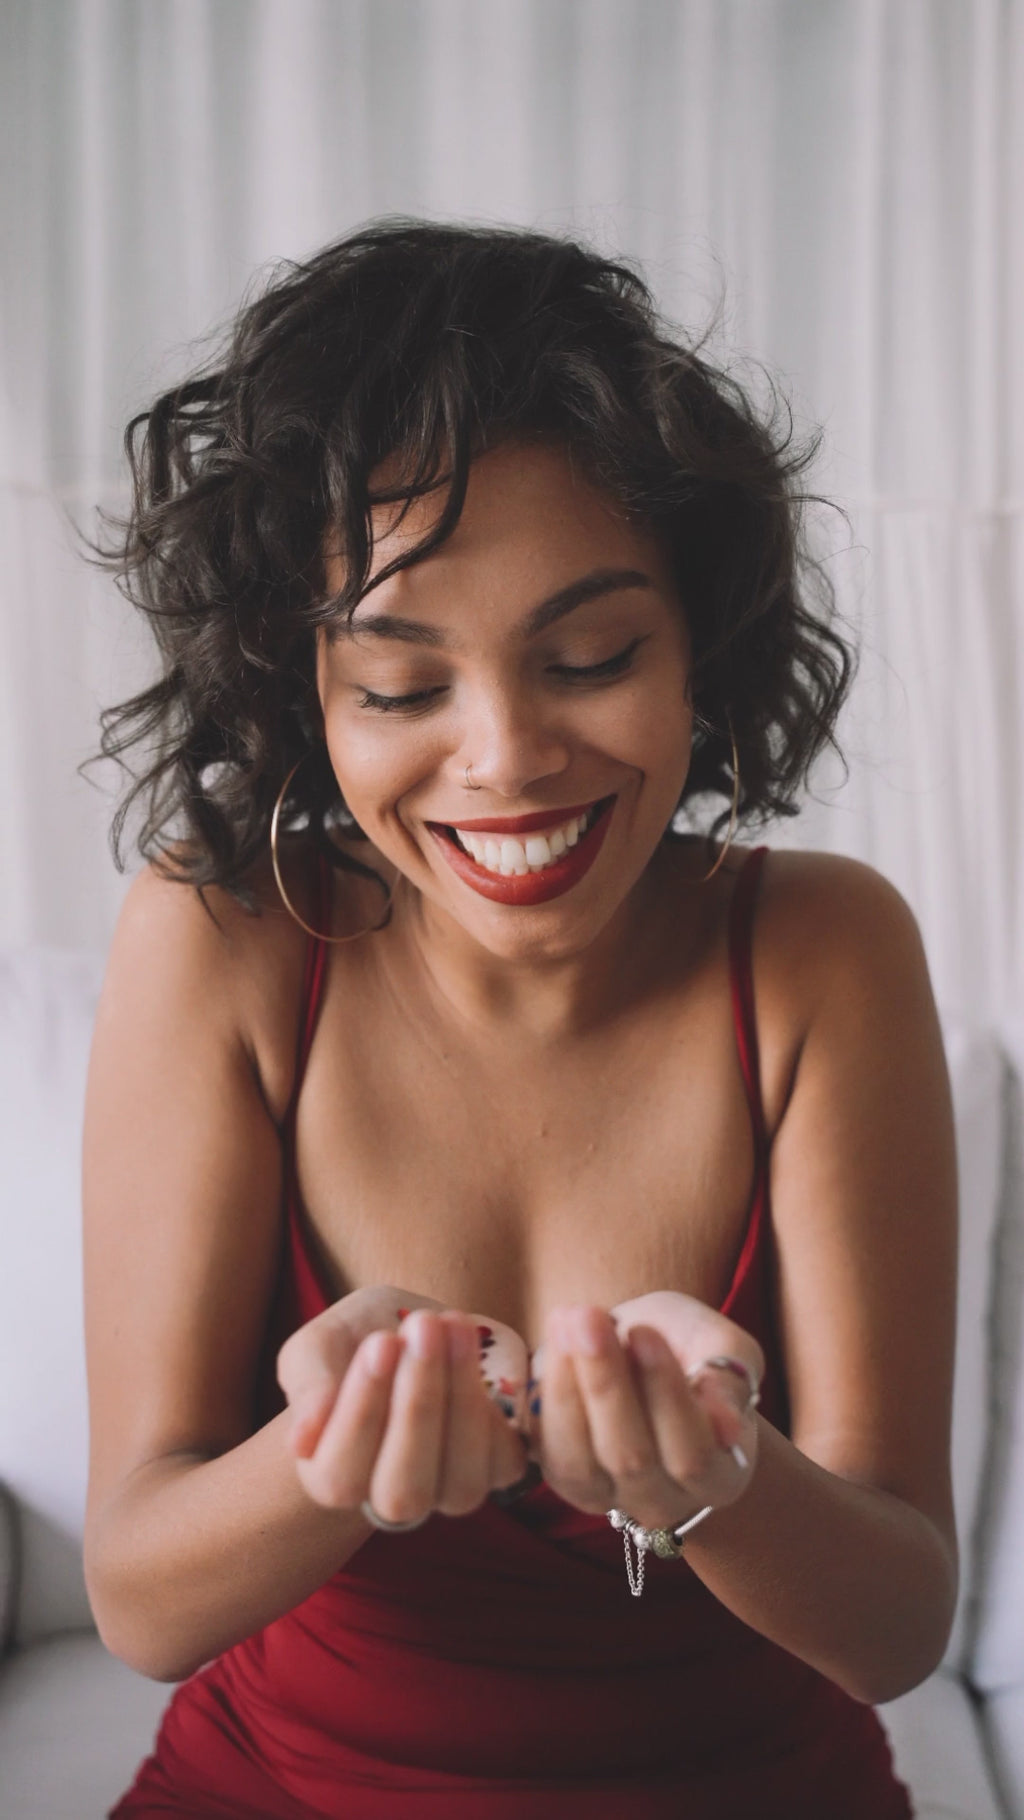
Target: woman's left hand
x=629, y=1413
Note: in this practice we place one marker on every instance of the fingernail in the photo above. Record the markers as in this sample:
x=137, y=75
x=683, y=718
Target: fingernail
x=535, y=1405
x=421, y=1332
x=379, y=1355
x=588, y=1335
x=462, y=1344
x=645, y=1348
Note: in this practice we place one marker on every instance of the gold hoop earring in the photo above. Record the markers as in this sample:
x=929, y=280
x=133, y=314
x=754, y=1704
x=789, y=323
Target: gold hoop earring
x=275, y=818
x=734, y=806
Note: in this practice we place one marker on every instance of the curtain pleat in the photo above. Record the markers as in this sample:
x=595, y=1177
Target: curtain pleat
x=835, y=185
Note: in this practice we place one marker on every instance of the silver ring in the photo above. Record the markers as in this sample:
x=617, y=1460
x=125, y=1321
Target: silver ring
x=389, y=1529
x=739, y=1368
x=469, y=784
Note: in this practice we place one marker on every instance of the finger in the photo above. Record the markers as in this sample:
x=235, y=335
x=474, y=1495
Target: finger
x=403, y=1486
x=622, y=1438
x=464, y=1476
x=338, y=1472
x=694, y=1454
x=508, y=1459
x=567, y=1452
x=311, y=1367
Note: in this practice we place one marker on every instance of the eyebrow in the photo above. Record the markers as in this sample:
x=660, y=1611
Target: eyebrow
x=565, y=600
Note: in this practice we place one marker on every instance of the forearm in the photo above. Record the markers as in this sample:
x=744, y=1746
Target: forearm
x=192, y=1555
x=853, y=1580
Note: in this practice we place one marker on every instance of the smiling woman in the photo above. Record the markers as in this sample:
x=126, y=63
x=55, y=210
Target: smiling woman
x=567, y=1202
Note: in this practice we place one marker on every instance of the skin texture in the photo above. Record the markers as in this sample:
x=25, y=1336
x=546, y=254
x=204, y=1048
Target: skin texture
x=532, y=1118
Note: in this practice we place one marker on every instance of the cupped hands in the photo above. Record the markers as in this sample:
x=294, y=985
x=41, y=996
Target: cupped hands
x=414, y=1408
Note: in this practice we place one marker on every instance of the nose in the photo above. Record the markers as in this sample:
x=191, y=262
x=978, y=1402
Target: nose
x=511, y=745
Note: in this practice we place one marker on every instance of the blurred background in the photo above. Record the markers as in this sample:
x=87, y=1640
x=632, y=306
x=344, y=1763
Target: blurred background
x=837, y=183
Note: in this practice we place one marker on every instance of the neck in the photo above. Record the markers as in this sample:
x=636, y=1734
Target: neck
x=549, y=998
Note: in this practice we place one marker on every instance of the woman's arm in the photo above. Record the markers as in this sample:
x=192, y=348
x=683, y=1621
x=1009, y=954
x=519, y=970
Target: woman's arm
x=198, y=1530
x=841, y=1547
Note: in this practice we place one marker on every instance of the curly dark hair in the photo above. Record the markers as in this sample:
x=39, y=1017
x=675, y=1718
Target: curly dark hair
x=433, y=342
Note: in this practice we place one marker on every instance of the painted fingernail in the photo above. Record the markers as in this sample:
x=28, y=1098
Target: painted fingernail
x=485, y=1338
x=535, y=1405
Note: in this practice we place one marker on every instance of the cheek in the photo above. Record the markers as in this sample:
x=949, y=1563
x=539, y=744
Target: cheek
x=376, y=763
x=648, y=728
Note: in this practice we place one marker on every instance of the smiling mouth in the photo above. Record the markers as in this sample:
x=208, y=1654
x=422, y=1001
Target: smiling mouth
x=531, y=865
x=514, y=855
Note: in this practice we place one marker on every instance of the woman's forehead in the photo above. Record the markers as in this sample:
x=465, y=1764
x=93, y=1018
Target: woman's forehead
x=528, y=508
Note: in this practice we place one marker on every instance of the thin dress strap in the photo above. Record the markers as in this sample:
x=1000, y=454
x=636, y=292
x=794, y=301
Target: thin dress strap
x=312, y=988
x=741, y=981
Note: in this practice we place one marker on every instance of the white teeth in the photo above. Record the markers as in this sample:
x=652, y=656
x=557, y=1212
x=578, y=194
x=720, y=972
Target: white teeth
x=511, y=858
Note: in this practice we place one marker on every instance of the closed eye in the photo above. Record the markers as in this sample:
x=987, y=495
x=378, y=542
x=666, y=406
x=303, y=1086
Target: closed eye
x=588, y=673
x=398, y=704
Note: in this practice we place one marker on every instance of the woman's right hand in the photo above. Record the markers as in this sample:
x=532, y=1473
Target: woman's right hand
x=389, y=1404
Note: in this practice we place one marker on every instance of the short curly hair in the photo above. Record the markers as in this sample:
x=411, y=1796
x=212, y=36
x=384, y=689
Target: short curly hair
x=433, y=342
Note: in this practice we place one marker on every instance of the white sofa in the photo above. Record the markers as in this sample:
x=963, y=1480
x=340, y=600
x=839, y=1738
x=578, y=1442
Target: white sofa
x=74, y=1722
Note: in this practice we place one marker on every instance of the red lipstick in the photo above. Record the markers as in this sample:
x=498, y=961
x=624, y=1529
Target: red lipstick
x=523, y=824
x=526, y=888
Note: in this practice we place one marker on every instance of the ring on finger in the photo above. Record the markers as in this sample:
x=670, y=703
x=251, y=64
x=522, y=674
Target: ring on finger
x=383, y=1523
x=739, y=1369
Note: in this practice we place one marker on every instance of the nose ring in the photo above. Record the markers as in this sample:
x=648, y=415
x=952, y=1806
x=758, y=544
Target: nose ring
x=469, y=783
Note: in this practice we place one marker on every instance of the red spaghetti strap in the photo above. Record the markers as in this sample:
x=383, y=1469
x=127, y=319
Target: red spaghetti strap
x=741, y=979
x=312, y=982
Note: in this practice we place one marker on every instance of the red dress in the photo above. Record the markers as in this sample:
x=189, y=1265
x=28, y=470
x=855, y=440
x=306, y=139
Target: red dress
x=496, y=1665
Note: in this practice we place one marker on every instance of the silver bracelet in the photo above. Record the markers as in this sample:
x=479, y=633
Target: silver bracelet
x=667, y=1544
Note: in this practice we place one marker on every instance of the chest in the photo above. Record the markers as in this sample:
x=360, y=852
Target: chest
x=505, y=1178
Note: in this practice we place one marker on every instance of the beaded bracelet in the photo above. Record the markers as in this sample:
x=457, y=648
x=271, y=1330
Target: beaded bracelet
x=667, y=1544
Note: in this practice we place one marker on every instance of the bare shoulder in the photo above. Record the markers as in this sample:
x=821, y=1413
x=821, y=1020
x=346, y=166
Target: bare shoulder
x=826, y=924
x=835, y=948
x=232, y=968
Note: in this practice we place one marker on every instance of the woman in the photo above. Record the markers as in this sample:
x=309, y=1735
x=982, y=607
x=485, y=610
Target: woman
x=517, y=1136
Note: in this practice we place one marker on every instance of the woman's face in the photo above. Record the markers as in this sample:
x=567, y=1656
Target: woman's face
x=508, y=719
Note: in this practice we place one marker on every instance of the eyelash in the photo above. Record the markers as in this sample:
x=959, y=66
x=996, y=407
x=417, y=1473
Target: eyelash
x=573, y=675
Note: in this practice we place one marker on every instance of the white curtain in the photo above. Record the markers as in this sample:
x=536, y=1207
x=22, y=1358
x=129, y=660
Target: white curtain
x=846, y=174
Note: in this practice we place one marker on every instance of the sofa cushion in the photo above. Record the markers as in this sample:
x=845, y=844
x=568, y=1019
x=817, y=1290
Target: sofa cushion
x=940, y=1752
x=997, y=1661
x=74, y=1726
x=47, y=1005
x=977, y=1074
x=8, y=1566
x=1003, y=1724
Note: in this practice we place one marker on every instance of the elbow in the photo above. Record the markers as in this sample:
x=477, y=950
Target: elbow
x=134, y=1646
x=903, y=1655
x=878, y=1683
x=127, y=1630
